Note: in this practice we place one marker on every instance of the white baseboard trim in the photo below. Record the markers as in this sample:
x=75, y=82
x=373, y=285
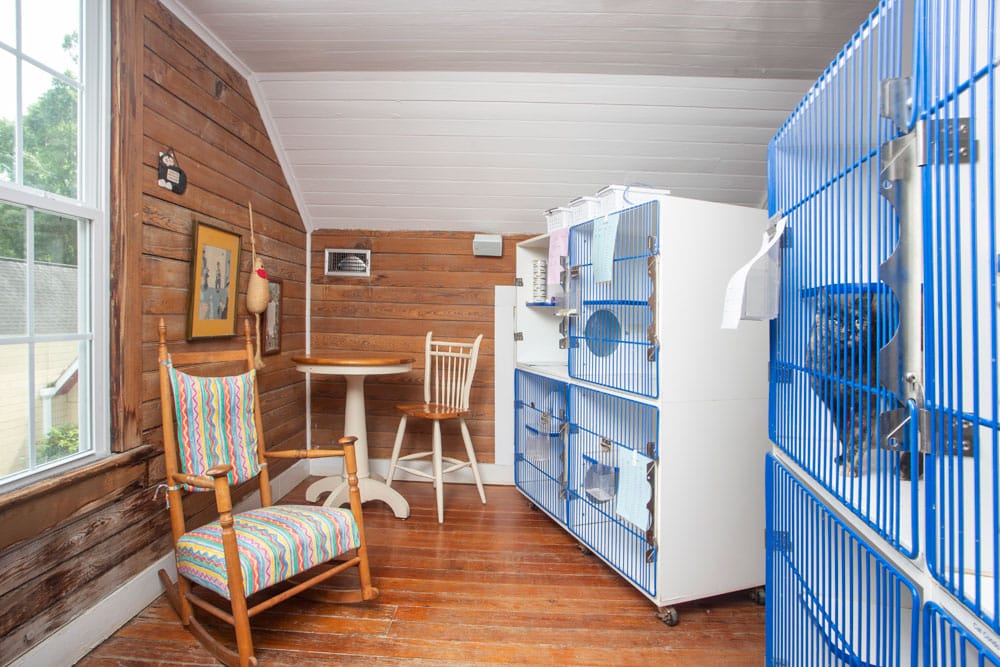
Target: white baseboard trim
x=491, y=473
x=77, y=638
x=73, y=641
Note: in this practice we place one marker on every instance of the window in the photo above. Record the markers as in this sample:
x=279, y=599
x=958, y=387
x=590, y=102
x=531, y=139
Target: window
x=54, y=122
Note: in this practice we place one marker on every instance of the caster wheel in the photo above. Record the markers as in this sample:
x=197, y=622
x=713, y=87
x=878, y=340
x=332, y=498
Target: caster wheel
x=533, y=507
x=583, y=549
x=759, y=595
x=668, y=615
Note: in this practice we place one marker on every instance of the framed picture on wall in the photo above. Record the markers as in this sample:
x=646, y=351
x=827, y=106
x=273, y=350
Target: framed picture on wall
x=271, y=318
x=215, y=272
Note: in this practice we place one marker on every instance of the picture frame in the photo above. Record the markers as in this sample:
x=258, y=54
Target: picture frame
x=215, y=275
x=271, y=318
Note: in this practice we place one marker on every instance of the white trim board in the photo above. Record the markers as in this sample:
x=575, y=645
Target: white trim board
x=76, y=639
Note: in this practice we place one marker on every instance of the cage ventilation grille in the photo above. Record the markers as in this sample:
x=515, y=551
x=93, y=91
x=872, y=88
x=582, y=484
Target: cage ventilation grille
x=348, y=262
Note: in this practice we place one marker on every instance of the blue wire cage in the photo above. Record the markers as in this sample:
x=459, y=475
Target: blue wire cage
x=605, y=429
x=948, y=644
x=539, y=441
x=831, y=598
x=611, y=288
x=835, y=313
x=887, y=174
x=956, y=94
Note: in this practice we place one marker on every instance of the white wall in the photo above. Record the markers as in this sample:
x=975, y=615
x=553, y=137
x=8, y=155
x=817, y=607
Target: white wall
x=492, y=151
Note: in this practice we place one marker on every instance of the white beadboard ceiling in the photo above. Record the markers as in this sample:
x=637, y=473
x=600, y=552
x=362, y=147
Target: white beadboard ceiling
x=479, y=116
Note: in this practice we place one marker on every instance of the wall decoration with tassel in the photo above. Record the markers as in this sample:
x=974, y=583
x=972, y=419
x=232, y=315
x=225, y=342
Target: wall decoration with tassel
x=257, y=291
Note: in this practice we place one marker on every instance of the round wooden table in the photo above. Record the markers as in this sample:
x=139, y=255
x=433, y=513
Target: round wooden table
x=355, y=367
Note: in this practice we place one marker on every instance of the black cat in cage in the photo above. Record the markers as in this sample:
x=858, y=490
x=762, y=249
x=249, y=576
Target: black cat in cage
x=842, y=356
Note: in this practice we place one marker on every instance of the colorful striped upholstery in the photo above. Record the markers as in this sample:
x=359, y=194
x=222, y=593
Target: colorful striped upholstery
x=215, y=423
x=275, y=543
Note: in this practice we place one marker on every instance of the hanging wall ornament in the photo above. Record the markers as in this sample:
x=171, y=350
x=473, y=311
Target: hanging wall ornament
x=257, y=291
x=169, y=175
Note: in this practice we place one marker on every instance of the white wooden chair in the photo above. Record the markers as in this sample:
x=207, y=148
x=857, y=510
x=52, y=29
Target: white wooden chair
x=448, y=371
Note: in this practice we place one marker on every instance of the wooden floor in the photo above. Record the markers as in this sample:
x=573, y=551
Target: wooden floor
x=496, y=584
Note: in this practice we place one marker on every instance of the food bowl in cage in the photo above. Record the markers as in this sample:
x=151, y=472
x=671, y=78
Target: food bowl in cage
x=599, y=481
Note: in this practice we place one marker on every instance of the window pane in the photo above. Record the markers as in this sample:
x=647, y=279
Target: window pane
x=50, y=31
x=56, y=275
x=50, y=132
x=13, y=271
x=7, y=17
x=14, y=409
x=8, y=115
x=57, y=396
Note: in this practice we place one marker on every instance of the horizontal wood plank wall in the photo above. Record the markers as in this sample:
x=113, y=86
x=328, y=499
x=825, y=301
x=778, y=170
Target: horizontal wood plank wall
x=72, y=541
x=420, y=282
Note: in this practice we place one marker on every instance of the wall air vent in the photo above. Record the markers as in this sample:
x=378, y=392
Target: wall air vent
x=342, y=262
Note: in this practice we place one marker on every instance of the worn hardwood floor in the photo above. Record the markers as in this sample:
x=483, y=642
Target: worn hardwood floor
x=495, y=584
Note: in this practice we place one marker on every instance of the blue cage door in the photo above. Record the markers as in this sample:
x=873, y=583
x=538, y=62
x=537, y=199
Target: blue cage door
x=612, y=342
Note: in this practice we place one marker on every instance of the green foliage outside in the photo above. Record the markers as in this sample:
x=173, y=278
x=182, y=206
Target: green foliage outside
x=50, y=163
x=59, y=443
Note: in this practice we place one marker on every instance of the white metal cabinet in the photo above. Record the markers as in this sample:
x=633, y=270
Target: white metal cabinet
x=689, y=408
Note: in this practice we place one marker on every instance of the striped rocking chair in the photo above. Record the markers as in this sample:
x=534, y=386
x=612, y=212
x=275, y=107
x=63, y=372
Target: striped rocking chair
x=252, y=560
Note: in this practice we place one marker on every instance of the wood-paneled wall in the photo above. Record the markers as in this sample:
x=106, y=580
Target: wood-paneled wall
x=68, y=543
x=420, y=282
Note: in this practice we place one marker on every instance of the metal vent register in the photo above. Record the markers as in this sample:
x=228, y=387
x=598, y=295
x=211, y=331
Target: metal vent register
x=340, y=262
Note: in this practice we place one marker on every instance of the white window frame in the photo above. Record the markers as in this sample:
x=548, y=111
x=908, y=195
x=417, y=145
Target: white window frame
x=92, y=204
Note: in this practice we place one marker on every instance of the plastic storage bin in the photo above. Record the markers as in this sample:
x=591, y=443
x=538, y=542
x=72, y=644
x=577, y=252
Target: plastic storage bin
x=584, y=209
x=617, y=197
x=556, y=218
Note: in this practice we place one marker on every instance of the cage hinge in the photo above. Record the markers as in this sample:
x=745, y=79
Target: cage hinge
x=565, y=340
x=518, y=335
x=945, y=141
x=518, y=282
x=780, y=540
x=901, y=359
x=897, y=101
x=651, y=506
x=651, y=329
x=780, y=373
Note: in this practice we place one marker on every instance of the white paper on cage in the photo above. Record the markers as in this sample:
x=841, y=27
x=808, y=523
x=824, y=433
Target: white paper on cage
x=603, y=254
x=634, y=490
x=558, y=247
x=753, y=291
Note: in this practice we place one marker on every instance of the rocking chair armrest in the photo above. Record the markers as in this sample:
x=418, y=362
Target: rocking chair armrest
x=303, y=453
x=206, y=481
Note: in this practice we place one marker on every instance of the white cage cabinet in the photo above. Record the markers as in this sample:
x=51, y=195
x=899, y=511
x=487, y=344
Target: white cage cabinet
x=641, y=425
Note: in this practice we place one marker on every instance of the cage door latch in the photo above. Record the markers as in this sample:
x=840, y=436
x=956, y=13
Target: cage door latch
x=932, y=427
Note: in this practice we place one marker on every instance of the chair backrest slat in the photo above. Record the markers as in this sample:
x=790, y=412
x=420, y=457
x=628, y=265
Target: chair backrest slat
x=448, y=371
